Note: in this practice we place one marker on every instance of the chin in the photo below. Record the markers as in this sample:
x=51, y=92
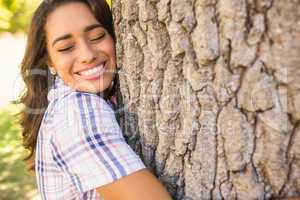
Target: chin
x=92, y=86
x=89, y=89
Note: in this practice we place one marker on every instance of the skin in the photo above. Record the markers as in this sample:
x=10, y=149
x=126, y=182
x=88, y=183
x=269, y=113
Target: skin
x=82, y=50
x=140, y=185
x=76, y=47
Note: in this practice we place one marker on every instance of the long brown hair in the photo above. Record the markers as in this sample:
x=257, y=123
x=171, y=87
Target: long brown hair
x=35, y=72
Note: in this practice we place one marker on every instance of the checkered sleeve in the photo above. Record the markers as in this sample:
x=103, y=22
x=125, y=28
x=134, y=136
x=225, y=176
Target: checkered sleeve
x=89, y=147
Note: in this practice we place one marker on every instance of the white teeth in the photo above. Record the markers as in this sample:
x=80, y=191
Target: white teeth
x=92, y=71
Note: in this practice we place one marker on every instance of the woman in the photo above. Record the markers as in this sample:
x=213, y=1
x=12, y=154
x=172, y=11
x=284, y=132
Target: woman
x=75, y=143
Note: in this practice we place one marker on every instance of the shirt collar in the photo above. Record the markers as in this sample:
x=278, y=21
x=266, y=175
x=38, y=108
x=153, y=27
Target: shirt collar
x=58, y=89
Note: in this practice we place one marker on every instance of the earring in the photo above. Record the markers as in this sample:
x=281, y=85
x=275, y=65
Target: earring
x=52, y=72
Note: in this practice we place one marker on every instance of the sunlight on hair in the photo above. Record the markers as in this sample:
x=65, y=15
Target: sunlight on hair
x=109, y=3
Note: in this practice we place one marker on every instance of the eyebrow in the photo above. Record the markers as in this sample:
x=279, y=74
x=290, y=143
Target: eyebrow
x=68, y=36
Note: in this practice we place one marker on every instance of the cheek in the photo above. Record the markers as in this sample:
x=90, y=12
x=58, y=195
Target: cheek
x=109, y=48
x=62, y=63
x=113, y=57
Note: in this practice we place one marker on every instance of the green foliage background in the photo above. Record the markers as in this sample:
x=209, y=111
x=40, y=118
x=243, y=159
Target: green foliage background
x=15, y=14
x=15, y=181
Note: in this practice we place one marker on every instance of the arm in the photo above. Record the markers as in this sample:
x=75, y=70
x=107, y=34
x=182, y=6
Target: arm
x=138, y=185
x=98, y=157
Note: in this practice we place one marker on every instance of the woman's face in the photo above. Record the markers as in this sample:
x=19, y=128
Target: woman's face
x=80, y=50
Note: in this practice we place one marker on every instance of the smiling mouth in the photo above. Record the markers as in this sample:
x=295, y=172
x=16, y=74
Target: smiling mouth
x=93, y=73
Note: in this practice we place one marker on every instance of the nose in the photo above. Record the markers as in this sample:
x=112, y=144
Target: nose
x=86, y=53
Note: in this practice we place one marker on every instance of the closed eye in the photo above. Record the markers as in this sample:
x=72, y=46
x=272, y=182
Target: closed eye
x=71, y=47
x=98, y=38
x=65, y=49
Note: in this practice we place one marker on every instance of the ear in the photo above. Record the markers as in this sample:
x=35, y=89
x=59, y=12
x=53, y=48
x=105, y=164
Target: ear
x=51, y=68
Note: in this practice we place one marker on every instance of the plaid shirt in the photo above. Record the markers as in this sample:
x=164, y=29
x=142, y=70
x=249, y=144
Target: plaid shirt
x=80, y=146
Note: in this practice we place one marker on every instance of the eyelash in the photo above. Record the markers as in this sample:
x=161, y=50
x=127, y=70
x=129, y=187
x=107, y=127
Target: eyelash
x=92, y=40
x=98, y=38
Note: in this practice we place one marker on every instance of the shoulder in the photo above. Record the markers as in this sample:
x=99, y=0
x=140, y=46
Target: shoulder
x=83, y=111
x=81, y=102
x=90, y=106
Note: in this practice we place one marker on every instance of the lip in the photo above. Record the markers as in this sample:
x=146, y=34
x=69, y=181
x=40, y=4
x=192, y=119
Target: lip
x=93, y=76
x=91, y=67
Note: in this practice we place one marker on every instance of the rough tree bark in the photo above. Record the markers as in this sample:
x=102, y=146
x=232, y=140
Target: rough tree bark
x=211, y=92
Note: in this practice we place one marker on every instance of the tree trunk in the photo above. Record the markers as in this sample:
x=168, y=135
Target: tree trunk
x=210, y=93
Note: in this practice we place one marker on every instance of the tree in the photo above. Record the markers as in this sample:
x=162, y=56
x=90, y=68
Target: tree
x=210, y=94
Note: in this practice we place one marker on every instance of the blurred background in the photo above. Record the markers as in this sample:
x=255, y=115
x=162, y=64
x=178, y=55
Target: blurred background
x=16, y=183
